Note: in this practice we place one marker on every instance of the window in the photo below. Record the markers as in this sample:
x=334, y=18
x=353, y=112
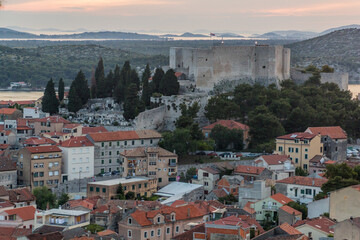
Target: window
x=305, y=166
x=102, y=153
x=117, y=152
x=102, y=144
x=159, y=232
x=177, y=229
x=109, y=161
x=56, y=164
x=321, y=149
x=51, y=174
x=142, y=141
x=87, y=169
x=74, y=170
x=102, y=161
x=110, y=144
x=129, y=233
x=336, y=149
x=296, y=141
x=41, y=174
x=205, y=174
x=167, y=230
x=296, y=150
x=289, y=149
x=36, y=174
x=118, y=143
x=145, y=185
x=306, y=141
x=104, y=190
x=41, y=165
x=159, y=219
x=151, y=141
x=125, y=143
x=35, y=165
x=296, y=160
x=50, y=165
x=302, y=191
x=56, y=173
x=132, y=142
x=306, y=149
x=306, y=156
x=36, y=183
x=308, y=191
x=152, y=233
x=91, y=189
x=139, y=185
x=160, y=180
x=97, y=189
x=109, y=153
x=133, y=187
x=145, y=234
x=206, y=183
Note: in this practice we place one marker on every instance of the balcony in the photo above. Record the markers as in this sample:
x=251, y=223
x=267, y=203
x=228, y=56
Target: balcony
x=172, y=173
x=289, y=169
x=270, y=208
x=172, y=164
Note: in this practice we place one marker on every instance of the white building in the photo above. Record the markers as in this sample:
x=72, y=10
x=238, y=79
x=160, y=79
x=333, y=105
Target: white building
x=34, y=112
x=208, y=177
x=281, y=165
x=78, y=158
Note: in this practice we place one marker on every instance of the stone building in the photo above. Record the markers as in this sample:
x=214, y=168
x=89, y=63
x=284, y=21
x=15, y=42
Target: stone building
x=154, y=162
x=334, y=140
x=348, y=229
x=109, y=145
x=39, y=166
x=251, y=64
x=345, y=203
x=8, y=173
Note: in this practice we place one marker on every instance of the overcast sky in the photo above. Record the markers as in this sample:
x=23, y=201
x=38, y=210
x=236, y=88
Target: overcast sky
x=181, y=15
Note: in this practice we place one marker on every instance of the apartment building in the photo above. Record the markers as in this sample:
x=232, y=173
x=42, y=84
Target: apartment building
x=109, y=145
x=48, y=124
x=39, y=166
x=300, y=147
x=154, y=162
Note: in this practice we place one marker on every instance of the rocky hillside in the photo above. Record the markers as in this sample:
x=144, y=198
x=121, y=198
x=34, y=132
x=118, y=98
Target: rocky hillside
x=339, y=49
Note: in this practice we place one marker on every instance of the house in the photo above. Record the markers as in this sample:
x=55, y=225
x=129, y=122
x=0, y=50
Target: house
x=9, y=114
x=318, y=227
x=254, y=192
x=8, y=172
x=18, y=217
x=49, y=124
x=347, y=229
x=13, y=233
x=21, y=197
x=99, y=129
x=141, y=186
x=284, y=231
x=78, y=158
x=300, y=188
x=39, y=166
x=318, y=164
x=345, y=203
x=318, y=208
x=268, y=208
x=109, y=145
x=300, y=147
x=69, y=219
x=208, y=177
x=153, y=162
x=34, y=112
x=251, y=173
x=164, y=223
x=230, y=184
x=38, y=141
x=181, y=191
x=289, y=215
x=232, y=227
x=230, y=124
x=334, y=139
x=281, y=165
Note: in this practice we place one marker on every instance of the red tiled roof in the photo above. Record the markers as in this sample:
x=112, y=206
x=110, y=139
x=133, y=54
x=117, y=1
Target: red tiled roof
x=25, y=102
x=124, y=135
x=54, y=134
x=25, y=213
x=8, y=111
x=304, y=181
x=23, y=128
x=7, y=164
x=289, y=229
x=71, y=125
x=231, y=220
x=4, y=146
x=43, y=149
x=20, y=195
x=106, y=232
x=320, y=223
x=36, y=141
x=6, y=204
x=231, y=124
x=290, y=210
x=281, y=198
x=87, y=130
x=275, y=159
x=77, y=142
x=178, y=203
x=178, y=74
x=299, y=135
x=335, y=132
x=3, y=191
x=189, y=235
x=220, y=192
x=248, y=207
x=53, y=119
x=210, y=170
x=249, y=169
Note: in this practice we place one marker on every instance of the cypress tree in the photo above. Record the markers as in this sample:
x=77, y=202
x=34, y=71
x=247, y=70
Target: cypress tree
x=109, y=84
x=159, y=73
x=146, y=92
x=134, y=78
x=61, y=89
x=100, y=79
x=146, y=74
x=93, y=85
x=123, y=82
x=132, y=105
x=50, y=103
x=81, y=87
x=169, y=84
x=116, y=78
x=75, y=103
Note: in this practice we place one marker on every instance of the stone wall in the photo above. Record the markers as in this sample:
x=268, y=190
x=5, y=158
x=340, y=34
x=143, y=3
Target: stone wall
x=340, y=79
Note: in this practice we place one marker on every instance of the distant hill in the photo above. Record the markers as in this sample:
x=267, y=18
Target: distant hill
x=339, y=49
x=188, y=34
x=9, y=33
x=339, y=28
x=229, y=35
x=288, y=35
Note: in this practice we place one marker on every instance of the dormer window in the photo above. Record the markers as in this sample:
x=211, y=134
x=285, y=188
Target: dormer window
x=172, y=217
x=129, y=221
x=159, y=219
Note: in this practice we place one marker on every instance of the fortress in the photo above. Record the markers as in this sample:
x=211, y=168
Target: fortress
x=244, y=64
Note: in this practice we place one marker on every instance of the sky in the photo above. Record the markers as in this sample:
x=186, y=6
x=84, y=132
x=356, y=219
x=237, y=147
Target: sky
x=176, y=16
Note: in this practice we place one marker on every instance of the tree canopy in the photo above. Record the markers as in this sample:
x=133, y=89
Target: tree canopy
x=50, y=103
x=61, y=89
x=44, y=198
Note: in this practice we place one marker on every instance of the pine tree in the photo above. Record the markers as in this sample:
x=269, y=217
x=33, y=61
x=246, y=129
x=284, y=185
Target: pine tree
x=109, y=84
x=100, y=79
x=159, y=73
x=50, y=103
x=146, y=74
x=93, y=85
x=116, y=78
x=81, y=87
x=75, y=103
x=169, y=84
x=134, y=78
x=61, y=89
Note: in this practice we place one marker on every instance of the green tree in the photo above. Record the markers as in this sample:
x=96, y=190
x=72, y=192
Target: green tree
x=81, y=87
x=224, y=137
x=50, y=103
x=311, y=68
x=120, y=192
x=134, y=78
x=94, y=228
x=327, y=69
x=146, y=92
x=100, y=79
x=75, y=103
x=116, y=79
x=169, y=84
x=44, y=198
x=179, y=140
x=109, y=81
x=64, y=198
x=301, y=172
x=221, y=107
x=229, y=199
x=190, y=173
x=300, y=207
x=130, y=195
x=159, y=74
x=146, y=74
x=61, y=89
x=132, y=105
x=123, y=82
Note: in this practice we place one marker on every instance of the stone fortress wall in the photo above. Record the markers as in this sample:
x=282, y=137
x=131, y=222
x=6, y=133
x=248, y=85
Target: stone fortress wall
x=207, y=67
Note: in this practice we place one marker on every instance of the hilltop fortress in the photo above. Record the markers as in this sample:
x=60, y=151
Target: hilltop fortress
x=244, y=64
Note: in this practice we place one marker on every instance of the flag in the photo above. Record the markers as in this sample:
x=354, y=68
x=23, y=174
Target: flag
x=212, y=34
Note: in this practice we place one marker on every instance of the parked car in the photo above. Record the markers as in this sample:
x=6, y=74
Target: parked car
x=105, y=174
x=115, y=172
x=225, y=154
x=214, y=154
x=201, y=153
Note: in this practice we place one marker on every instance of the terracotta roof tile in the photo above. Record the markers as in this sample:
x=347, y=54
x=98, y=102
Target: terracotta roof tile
x=289, y=229
x=298, y=135
x=20, y=195
x=36, y=141
x=7, y=164
x=249, y=170
x=71, y=125
x=188, y=235
x=248, y=207
x=25, y=213
x=77, y=142
x=87, y=130
x=290, y=210
x=3, y=191
x=6, y=204
x=210, y=170
x=275, y=159
x=147, y=134
x=320, y=223
x=231, y=124
x=281, y=198
x=106, y=232
x=114, y=136
x=304, y=181
x=8, y=111
x=335, y=132
x=43, y=149
x=53, y=119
